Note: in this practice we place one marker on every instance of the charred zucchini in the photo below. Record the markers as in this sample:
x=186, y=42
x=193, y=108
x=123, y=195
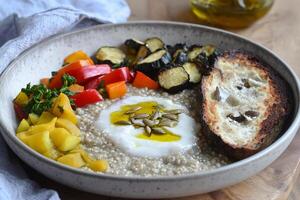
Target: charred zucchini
x=193, y=72
x=110, y=55
x=154, y=44
x=174, y=79
x=180, y=56
x=204, y=57
x=153, y=63
x=196, y=50
x=133, y=45
x=142, y=53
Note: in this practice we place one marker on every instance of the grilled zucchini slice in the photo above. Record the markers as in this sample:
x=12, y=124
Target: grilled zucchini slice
x=153, y=63
x=110, y=55
x=142, y=53
x=193, y=72
x=154, y=44
x=196, y=50
x=133, y=45
x=174, y=79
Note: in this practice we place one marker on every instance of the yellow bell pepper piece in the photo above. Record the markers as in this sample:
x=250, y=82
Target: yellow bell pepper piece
x=45, y=117
x=23, y=126
x=21, y=99
x=73, y=160
x=98, y=165
x=77, y=55
x=40, y=142
x=33, y=118
x=42, y=127
x=63, y=140
x=67, y=124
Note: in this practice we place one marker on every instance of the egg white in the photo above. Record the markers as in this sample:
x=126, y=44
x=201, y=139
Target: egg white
x=125, y=136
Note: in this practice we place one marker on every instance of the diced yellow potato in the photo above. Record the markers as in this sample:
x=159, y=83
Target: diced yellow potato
x=21, y=99
x=45, y=117
x=22, y=135
x=42, y=127
x=69, y=115
x=73, y=160
x=40, y=141
x=63, y=140
x=61, y=103
x=23, y=126
x=67, y=124
x=98, y=165
x=53, y=154
x=33, y=118
x=83, y=154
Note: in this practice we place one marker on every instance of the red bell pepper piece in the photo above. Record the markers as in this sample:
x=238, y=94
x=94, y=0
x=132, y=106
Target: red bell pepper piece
x=86, y=97
x=85, y=73
x=141, y=81
x=120, y=74
x=19, y=112
x=56, y=81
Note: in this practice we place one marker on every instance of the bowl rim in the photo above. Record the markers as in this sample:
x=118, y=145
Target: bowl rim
x=293, y=127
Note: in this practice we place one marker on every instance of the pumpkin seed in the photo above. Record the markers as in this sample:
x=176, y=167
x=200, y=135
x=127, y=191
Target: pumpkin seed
x=167, y=122
x=158, y=131
x=148, y=130
x=140, y=116
x=156, y=115
x=174, y=111
x=137, y=122
x=123, y=122
x=170, y=116
x=251, y=113
x=149, y=122
x=133, y=110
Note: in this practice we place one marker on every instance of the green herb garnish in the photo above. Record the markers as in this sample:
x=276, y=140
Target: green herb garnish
x=41, y=98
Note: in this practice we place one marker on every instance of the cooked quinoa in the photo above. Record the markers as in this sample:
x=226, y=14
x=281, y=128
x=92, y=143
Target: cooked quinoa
x=99, y=146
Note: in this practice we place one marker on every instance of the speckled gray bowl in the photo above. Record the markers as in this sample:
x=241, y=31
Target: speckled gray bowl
x=47, y=56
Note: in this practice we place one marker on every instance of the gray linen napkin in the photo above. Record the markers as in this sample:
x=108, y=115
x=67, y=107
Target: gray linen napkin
x=34, y=21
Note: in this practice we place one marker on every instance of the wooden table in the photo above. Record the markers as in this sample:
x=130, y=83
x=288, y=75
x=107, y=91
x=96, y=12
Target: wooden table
x=279, y=31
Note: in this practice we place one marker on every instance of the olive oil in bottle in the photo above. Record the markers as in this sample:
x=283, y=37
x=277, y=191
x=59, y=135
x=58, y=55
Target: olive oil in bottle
x=230, y=13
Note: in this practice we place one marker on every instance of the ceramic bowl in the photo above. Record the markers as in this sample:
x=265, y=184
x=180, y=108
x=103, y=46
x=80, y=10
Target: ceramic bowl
x=47, y=56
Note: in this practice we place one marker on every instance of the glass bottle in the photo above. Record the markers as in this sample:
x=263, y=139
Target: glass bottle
x=230, y=13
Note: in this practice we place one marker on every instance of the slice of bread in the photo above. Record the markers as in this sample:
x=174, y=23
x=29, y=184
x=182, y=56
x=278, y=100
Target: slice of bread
x=244, y=104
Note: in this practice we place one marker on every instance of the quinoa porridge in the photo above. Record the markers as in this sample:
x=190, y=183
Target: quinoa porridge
x=98, y=145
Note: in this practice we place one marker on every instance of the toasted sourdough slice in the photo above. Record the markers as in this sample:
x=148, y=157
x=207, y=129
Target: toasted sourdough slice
x=244, y=105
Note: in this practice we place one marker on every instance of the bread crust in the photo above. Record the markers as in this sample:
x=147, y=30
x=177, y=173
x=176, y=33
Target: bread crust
x=271, y=126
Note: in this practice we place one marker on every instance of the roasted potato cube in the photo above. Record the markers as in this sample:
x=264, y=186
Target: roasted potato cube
x=23, y=126
x=83, y=154
x=98, y=165
x=63, y=140
x=72, y=159
x=33, y=118
x=67, y=124
x=42, y=127
x=69, y=115
x=45, y=117
x=60, y=104
x=40, y=141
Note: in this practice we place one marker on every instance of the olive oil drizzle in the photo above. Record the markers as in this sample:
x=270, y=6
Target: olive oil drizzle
x=126, y=116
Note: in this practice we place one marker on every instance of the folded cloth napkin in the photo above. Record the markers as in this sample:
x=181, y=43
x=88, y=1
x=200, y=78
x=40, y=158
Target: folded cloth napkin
x=32, y=21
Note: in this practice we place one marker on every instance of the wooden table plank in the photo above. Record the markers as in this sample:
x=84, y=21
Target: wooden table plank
x=279, y=31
